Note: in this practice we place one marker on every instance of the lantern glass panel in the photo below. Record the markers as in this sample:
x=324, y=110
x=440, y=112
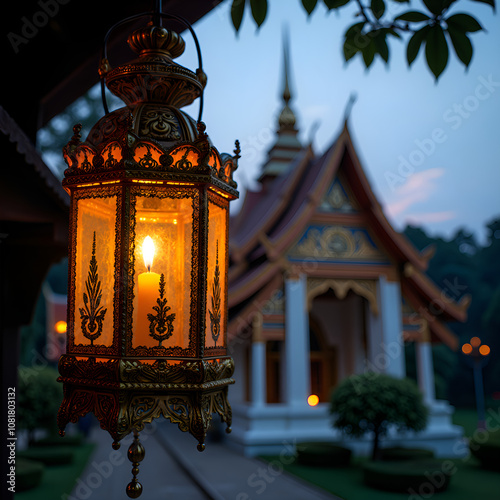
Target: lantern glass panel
x=94, y=269
x=162, y=294
x=216, y=316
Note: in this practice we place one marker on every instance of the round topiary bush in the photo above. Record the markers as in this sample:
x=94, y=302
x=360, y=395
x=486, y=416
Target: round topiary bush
x=48, y=455
x=323, y=454
x=419, y=476
x=371, y=403
x=487, y=451
x=398, y=453
x=28, y=474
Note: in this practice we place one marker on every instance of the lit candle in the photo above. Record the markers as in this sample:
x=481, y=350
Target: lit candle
x=148, y=292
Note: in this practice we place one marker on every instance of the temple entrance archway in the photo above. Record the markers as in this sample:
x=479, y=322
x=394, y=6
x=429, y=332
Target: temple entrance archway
x=338, y=339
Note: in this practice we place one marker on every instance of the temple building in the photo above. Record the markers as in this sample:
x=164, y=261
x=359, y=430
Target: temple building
x=322, y=287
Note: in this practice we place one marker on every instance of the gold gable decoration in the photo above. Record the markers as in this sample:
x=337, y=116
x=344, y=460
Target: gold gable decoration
x=336, y=200
x=341, y=287
x=336, y=242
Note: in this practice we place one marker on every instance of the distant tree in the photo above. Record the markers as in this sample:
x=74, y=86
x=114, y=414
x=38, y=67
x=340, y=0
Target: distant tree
x=86, y=110
x=431, y=25
x=461, y=266
x=371, y=403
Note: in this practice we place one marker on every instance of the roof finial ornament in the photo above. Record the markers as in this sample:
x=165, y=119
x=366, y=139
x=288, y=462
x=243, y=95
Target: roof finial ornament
x=348, y=108
x=287, y=117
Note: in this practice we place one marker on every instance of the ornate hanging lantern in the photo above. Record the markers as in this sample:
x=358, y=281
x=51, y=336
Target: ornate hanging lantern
x=147, y=301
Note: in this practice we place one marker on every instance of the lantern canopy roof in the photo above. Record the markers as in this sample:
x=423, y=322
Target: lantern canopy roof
x=154, y=88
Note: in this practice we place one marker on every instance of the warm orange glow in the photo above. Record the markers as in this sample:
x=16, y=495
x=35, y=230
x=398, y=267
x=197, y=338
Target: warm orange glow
x=313, y=400
x=466, y=348
x=148, y=252
x=475, y=341
x=61, y=327
x=484, y=350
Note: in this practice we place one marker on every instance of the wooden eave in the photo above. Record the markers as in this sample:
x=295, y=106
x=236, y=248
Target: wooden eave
x=244, y=239
x=246, y=316
x=433, y=295
x=439, y=331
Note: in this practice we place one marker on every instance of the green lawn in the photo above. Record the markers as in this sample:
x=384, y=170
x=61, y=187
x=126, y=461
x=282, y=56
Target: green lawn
x=470, y=482
x=60, y=479
x=467, y=418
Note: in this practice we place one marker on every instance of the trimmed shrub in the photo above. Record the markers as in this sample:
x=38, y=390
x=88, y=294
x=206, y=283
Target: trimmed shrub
x=28, y=474
x=419, y=475
x=370, y=403
x=39, y=397
x=407, y=475
x=48, y=455
x=323, y=454
x=398, y=453
x=487, y=452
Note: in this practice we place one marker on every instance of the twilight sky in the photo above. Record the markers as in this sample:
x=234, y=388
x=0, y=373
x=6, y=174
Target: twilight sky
x=431, y=151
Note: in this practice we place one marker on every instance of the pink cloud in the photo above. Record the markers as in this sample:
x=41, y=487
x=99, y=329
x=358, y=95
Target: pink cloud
x=417, y=188
x=430, y=217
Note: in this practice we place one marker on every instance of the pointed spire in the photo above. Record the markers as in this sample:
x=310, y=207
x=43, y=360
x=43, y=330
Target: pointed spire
x=286, y=145
x=287, y=117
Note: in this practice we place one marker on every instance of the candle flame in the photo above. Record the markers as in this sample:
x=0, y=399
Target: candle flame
x=148, y=252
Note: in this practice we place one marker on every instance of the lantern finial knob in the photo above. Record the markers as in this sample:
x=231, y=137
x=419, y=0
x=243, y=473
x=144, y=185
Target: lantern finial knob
x=157, y=41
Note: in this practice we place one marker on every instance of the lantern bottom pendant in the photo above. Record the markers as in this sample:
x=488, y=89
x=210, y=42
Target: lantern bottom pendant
x=125, y=395
x=135, y=454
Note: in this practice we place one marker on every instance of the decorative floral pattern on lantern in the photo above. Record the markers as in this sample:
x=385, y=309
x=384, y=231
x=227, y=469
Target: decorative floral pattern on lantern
x=147, y=301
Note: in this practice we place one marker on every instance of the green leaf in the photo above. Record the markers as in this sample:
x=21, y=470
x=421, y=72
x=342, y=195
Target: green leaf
x=309, y=5
x=436, y=50
x=381, y=45
x=461, y=44
x=354, y=30
x=368, y=52
x=434, y=6
x=412, y=16
x=414, y=44
x=378, y=8
x=352, y=41
x=237, y=10
x=335, y=4
x=259, y=11
x=350, y=49
x=463, y=22
x=489, y=2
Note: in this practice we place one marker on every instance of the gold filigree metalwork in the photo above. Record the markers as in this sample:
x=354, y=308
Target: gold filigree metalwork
x=92, y=314
x=215, y=312
x=187, y=393
x=159, y=124
x=161, y=324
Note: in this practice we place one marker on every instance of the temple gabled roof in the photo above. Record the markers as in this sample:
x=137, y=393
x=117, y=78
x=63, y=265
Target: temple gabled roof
x=327, y=198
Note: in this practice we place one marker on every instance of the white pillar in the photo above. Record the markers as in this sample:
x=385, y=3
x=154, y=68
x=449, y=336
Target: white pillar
x=392, y=327
x=258, y=366
x=297, y=362
x=425, y=366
